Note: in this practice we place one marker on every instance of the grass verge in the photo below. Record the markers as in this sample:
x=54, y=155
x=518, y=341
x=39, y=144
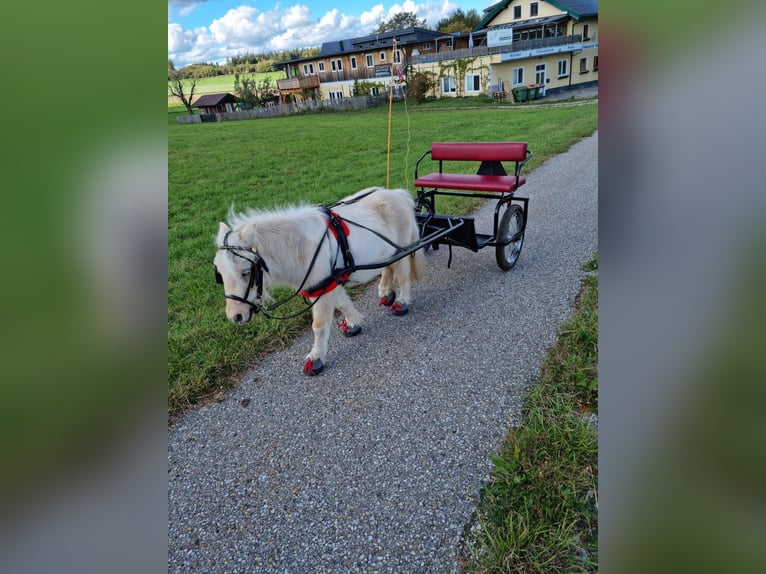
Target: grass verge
x=539, y=513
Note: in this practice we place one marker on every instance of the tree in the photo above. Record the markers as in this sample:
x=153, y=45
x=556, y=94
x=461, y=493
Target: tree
x=244, y=87
x=251, y=92
x=457, y=69
x=459, y=21
x=419, y=83
x=400, y=21
x=177, y=89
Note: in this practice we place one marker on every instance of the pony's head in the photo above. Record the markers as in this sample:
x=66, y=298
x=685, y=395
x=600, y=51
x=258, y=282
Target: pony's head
x=240, y=269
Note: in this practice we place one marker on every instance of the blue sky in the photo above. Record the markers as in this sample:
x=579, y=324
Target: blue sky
x=215, y=30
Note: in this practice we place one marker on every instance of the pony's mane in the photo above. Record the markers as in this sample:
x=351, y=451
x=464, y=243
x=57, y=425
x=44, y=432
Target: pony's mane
x=253, y=215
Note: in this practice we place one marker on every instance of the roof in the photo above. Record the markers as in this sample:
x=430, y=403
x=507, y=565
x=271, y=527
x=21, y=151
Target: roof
x=575, y=8
x=214, y=99
x=412, y=35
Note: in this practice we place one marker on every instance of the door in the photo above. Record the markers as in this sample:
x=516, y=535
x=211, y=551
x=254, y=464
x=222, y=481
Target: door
x=540, y=74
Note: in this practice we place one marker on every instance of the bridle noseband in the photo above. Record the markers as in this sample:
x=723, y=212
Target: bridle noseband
x=257, y=267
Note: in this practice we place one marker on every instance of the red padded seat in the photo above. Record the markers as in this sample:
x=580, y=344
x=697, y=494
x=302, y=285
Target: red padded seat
x=495, y=183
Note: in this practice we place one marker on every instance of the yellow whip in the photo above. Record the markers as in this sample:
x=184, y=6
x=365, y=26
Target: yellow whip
x=390, y=108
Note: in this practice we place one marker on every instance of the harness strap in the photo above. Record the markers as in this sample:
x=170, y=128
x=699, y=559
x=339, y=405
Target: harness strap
x=340, y=230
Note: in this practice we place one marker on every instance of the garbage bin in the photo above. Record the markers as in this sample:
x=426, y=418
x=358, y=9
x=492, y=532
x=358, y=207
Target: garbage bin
x=520, y=94
x=539, y=91
x=531, y=92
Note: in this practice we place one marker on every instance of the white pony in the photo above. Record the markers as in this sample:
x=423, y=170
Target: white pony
x=316, y=250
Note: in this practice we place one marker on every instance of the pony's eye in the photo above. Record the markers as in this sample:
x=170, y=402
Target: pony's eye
x=246, y=273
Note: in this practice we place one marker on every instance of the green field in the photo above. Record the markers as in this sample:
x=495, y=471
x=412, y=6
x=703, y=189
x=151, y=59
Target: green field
x=220, y=84
x=315, y=158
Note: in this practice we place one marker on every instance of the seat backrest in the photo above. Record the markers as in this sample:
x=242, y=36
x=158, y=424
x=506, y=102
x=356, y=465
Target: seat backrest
x=479, y=151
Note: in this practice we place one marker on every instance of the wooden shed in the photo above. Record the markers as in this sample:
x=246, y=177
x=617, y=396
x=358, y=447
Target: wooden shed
x=216, y=103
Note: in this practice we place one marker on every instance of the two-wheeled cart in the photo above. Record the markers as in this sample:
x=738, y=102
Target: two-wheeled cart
x=491, y=181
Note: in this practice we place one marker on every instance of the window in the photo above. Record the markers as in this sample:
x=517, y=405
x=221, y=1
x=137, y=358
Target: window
x=353, y=62
x=516, y=12
x=563, y=70
x=518, y=76
x=398, y=57
x=338, y=95
x=448, y=43
x=585, y=34
x=448, y=85
x=472, y=83
x=337, y=65
x=374, y=91
x=320, y=65
x=369, y=61
x=308, y=69
x=426, y=46
x=595, y=63
x=382, y=56
x=533, y=9
x=583, y=65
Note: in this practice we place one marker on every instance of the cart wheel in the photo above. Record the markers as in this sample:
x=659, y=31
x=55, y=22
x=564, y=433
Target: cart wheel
x=425, y=205
x=510, y=237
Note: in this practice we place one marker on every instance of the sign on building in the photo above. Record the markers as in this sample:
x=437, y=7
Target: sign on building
x=499, y=36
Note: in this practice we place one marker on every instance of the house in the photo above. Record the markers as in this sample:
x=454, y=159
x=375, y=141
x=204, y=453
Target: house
x=552, y=44
x=216, y=103
x=342, y=65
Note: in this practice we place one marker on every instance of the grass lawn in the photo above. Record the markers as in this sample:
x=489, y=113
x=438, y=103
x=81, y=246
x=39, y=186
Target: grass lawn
x=313, y=158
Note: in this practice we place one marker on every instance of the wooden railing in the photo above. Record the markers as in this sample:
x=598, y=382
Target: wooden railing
x=299, y=83
x=517, y=46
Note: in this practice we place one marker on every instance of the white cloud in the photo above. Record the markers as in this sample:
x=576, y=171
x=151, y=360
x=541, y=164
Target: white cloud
x=247, y=29
x=295, y=17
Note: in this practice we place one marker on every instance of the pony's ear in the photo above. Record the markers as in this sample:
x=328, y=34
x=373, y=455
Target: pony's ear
x=223, y=229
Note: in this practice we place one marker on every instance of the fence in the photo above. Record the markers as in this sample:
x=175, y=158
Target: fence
x=340, y=104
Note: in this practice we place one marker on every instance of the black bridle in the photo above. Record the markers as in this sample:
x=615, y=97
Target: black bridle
x=257, y=267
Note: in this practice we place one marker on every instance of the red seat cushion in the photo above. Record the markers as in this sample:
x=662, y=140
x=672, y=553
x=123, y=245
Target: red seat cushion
x=467, y=182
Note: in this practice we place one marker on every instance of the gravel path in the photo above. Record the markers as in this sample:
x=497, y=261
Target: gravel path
x=376, y=465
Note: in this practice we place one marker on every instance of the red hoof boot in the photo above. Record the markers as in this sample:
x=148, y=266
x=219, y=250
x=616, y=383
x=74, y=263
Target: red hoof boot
x=388, y=300
x=349, y=331
x=313, y=367
x=399, y=309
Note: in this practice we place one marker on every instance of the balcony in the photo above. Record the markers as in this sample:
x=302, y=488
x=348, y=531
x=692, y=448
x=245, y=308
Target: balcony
x=298, y=84
x=517, y=46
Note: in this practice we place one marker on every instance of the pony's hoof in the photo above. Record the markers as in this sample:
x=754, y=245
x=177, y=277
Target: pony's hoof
x=388, y=300
x=349, y=331
x=399, y=309
x=313, y=367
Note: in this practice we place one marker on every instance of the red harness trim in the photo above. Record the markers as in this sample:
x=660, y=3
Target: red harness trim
x=332, y=285
x=343, y=225
x=344, y=277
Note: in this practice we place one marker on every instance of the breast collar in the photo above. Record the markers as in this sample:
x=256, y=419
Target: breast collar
x=340, y=230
